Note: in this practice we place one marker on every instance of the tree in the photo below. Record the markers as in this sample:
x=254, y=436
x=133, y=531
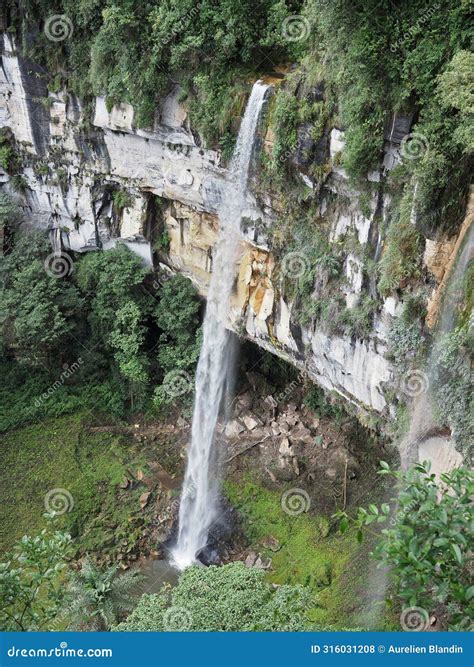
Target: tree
x=429, y=547
x=456, y=91
x=31, y=587
x=127, y=339
x=228, y=598
x=108, y=280
x=37, y=309
x=96, y=600
x=177, y=316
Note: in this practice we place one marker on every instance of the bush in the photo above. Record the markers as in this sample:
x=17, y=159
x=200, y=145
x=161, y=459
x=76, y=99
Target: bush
x=230, y=598
x=428, y=548
x=401, y=259
x=30, y=581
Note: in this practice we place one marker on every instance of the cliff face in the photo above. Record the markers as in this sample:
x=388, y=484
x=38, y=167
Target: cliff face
x=74, y=163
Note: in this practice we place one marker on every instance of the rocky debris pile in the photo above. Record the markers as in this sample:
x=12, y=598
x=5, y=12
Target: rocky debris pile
x=290, y=441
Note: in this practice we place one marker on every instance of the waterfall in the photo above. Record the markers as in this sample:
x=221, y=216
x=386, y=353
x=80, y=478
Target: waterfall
x=419, y=443
x=199, y=506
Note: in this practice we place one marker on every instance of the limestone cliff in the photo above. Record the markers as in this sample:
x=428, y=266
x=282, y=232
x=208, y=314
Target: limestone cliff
x=73, y=161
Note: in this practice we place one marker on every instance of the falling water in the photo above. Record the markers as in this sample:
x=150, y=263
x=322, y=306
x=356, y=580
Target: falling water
x=418, y=443
x=199, y=507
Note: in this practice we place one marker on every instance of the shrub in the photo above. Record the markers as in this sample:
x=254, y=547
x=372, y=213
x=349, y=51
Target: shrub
x=227, y=599
x=31, y=591
x=428, y=548
x=401, y=258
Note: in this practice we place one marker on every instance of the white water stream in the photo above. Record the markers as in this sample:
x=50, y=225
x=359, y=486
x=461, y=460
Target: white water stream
x=199, y=507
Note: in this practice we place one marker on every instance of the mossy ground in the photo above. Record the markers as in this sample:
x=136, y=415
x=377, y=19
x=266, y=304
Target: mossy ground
x=62, y=453
x=336, y=568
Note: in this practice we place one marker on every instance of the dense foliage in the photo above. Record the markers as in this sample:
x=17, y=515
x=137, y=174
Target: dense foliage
x=31, y=593
x=96, y=599
x=228, y=598
x=89, y=337
x=136, y=52
x=428, y=546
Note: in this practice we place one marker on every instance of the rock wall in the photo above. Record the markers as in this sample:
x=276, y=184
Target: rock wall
x=74, y=161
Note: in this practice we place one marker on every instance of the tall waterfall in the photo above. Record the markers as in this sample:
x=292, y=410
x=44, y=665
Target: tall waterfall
x=199, y=507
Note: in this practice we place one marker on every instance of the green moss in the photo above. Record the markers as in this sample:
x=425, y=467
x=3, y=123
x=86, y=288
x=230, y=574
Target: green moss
x=310, y=555
x=63, y=454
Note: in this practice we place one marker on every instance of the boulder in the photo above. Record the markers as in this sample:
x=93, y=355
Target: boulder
x=251, y=421
x=275, y=428
x=285, y=448
x=250, y=560
x=263, y=563
x=270, y=542
x=233, y=428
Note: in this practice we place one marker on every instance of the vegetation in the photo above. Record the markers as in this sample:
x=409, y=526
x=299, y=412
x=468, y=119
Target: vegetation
x=95, y=322
x=309, y=555
x=227, y=599
x=428, y=547
x=103, y=340
x=30, y=587
x=95, y=599
x=177, y=317
x=452, y=381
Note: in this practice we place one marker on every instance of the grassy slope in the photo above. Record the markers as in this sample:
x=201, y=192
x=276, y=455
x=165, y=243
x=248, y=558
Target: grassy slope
x=60, y=453
x=336, y=568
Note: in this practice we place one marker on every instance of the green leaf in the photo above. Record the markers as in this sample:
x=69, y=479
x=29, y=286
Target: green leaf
x=344, y=524
x=457, y=553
